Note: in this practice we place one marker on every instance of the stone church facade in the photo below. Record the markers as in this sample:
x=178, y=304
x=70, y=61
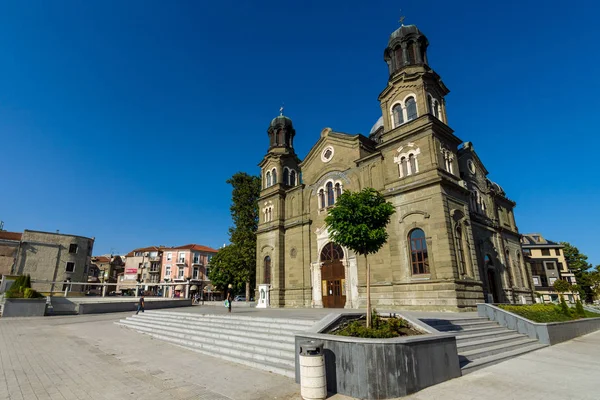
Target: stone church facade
x=453, y=241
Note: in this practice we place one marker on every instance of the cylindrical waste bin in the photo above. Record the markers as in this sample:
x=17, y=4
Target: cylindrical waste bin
x=313, y=383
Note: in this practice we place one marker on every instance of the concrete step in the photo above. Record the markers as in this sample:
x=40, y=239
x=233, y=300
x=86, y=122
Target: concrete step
x=454, y=328
x=222, y=346
x=491, y=350
x=470, y=366
x=253, y=360
x=478, y=343
x=470, y=337
x=229, y=317
x=270, y=346
x=201, y=329
x=482, y=329
x=270, y=328
x=273, y=324
x=457, y=321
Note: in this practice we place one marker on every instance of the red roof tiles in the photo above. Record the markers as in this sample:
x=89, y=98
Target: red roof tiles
x=11, y=235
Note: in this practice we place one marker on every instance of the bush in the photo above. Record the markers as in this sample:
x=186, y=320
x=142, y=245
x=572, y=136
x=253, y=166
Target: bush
x=380, y=328
x=21, y=288
x=564, y=308
x=580, y=310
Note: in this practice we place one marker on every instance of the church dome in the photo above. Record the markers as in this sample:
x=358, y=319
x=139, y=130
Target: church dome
x=281, y=120
x=405, y=31
x=378, y=125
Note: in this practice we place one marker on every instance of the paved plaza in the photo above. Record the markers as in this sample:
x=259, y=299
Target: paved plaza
x=89, y=357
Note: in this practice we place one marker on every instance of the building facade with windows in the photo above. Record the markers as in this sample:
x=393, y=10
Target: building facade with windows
x=53, y=257
x=453, y=241
x=142, y=265
x=191, y=263
x=106, y=269
x=548, y=263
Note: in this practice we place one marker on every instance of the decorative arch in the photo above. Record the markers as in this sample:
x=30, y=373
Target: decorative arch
x=268, y=179
x=274, y=175
x=331, y=252
x=407, y=159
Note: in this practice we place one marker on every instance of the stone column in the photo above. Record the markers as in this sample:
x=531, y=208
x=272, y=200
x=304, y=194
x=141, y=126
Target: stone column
x=317, y=300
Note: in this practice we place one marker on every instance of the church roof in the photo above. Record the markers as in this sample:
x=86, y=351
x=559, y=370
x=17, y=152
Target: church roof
x=377, y=125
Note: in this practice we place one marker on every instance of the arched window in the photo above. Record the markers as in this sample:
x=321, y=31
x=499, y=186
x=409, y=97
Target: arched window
x=462, y=265
x=293, y=178
x=403, y=167
x=397, y=114
x=332, y=252
x=411, y=109
x=411, y=53
x=286, y=176
x=418, y=252
x=338, y=190
x=321, y=198
x=330, y=197
x=268, y=178
x=412, y=163
x=274, y=176
x=267, y=266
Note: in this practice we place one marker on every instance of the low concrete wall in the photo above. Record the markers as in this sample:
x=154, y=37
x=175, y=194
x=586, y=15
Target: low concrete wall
x=120, y=306
x=61, y=306
x=547, y=333
x=234, y=304
x=23, y=308
x=382, y=368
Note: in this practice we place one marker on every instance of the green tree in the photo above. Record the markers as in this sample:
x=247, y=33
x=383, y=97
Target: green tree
x=579, y=265
x=236, y=263
x=562, y=286
x=358, y=221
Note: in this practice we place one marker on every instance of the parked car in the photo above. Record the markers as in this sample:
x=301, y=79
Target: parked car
x=239, y=298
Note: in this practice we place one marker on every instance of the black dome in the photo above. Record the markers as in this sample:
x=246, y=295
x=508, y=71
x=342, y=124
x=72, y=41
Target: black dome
x=281, y=120
x=404, y=31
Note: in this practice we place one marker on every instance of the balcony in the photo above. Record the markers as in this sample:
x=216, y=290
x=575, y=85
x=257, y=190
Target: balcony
x=197, y=261
x=154, y=270
x=157, y=258
x=181, y=261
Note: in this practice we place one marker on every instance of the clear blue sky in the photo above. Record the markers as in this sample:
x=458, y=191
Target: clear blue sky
x=123, y=119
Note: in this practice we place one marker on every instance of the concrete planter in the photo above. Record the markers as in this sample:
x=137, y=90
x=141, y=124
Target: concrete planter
x=24, y=308
x=383, y=368
x=547, y=333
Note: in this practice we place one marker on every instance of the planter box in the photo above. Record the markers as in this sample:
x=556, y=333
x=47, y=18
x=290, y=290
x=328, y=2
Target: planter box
x=24, y=308
x=547, y=333
x=382, y=368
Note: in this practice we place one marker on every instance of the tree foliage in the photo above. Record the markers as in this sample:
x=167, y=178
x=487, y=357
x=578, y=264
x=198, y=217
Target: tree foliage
x=561, y=286
x=236, y=263
x=358, y=221
x=588, y=280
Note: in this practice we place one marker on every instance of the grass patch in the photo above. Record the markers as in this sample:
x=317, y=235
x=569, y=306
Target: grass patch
x=381, y=328
x=546, y=312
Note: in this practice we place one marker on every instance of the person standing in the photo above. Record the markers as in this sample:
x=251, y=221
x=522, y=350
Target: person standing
x=140, y=305
x=229, y=296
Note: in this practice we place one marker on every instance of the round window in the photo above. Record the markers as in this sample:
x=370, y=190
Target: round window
x=327, y=154
x=471, y=166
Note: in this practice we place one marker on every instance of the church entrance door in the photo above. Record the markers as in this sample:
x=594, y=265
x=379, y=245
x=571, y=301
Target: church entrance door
x=492, y=284
x=333, y=276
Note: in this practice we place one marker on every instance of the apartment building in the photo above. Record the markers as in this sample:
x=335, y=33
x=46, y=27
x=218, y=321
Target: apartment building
x=548, y=263
x=106, y=269
x=187, y=263
x=142, y=265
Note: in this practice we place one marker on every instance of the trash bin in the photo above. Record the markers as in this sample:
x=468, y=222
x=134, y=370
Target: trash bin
x=313, y=383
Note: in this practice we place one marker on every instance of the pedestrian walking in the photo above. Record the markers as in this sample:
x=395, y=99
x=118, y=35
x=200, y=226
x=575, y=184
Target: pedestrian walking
x=140, y=305
x=230, y=296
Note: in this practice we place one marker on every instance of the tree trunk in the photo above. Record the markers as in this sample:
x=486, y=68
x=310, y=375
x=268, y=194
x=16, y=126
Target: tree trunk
x=368, y=292
x=247, y=290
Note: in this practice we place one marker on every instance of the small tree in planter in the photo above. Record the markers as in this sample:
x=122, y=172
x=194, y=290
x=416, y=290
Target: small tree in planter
x=358, y=221
x=562, y=286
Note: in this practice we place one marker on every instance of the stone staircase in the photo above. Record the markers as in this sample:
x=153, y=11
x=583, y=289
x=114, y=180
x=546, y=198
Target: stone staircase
x=482, y=342
x=258, y=342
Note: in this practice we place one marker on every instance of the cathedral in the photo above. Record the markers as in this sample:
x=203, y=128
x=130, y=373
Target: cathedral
x=453, y=241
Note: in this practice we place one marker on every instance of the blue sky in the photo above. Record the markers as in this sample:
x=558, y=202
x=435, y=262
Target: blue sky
x=122, y=120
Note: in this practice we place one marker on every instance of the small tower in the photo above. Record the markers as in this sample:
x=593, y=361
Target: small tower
x=407, y=46
x=413, y=88
x=281, y=134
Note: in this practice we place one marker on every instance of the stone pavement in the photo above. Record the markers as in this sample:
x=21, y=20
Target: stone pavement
x=566, y=371
x=89, y=357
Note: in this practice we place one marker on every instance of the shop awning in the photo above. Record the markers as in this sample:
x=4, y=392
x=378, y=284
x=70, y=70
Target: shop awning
x=179, y=287
x=194, y=287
